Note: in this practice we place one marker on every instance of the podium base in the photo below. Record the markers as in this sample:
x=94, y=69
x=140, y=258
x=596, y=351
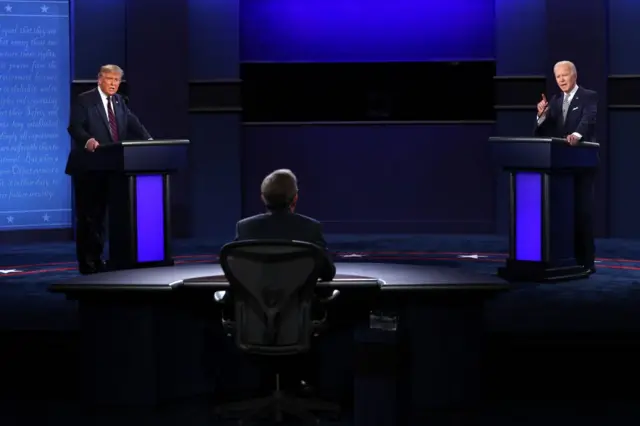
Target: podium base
x=118, y=265
x=540, y=272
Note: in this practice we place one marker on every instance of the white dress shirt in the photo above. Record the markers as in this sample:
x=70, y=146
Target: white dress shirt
x=105, y=103
x=570, y=95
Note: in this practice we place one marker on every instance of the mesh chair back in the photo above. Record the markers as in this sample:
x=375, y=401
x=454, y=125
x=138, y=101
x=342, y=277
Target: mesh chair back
x=272, y=285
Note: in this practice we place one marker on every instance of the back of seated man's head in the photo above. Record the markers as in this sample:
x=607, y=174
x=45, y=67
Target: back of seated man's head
x=280, y=190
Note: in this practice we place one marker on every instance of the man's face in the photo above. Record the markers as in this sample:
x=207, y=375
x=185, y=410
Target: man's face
x=565, y=78
x=109, y=83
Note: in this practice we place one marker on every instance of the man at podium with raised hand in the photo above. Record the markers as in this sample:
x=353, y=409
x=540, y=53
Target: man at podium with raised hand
x=571, y=115
x=98, y=117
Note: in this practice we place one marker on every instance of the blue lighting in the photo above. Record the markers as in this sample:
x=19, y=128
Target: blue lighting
x=366, y=30
x=150, y=218
x=528, y=216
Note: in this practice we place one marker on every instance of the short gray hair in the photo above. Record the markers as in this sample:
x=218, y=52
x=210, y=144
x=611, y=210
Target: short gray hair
x=110, y=69
x=569, y=64
x=279, y=188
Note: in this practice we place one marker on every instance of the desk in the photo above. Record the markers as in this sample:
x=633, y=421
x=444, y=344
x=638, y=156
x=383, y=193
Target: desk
x=218, y=282
x=165, y=279
x=384, y=276
x=145, y=330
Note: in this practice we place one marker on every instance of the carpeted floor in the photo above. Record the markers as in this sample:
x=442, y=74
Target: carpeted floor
x=606, y=301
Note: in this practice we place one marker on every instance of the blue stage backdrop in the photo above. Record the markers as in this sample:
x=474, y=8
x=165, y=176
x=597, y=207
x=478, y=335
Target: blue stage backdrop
x=34, y=109
x=623, y=33
x=366, y=30
x=378, y=179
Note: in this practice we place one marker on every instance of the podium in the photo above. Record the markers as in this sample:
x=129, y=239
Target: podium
x=139, y=207
x=542, y=173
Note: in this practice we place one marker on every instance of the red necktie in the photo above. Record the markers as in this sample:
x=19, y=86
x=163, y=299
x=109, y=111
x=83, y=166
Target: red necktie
x=113, y=125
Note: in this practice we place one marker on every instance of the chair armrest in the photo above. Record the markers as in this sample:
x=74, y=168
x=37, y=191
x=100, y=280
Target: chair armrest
x=228, y=325
x=319, y=324
x=220, y=296
x=331, y=298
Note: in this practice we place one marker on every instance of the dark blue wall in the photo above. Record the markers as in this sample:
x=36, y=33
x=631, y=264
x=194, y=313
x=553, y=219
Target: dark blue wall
x=439, y=178
x=379, y=178
x=624, y=144
x=517, y=54
x=214, y=29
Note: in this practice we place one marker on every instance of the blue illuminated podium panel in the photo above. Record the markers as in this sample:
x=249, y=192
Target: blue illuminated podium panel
x=542, y=175
x=139, y=199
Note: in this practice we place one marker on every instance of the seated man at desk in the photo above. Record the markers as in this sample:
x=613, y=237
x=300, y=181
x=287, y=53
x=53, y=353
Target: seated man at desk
x=279, y=192
x=280, y=195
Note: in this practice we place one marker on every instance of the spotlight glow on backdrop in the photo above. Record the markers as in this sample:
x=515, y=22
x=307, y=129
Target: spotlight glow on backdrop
x=366, y=30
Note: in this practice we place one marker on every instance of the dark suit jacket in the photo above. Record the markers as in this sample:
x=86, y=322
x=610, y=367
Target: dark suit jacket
x=284, y=225
x=581, y=117
x=89, y=120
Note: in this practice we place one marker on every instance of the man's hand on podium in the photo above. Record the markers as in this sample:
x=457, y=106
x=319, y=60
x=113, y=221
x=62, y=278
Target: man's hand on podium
x=573, y=139
x=91, y=145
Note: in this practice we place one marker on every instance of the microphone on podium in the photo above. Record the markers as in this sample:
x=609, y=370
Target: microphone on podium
x=125, y=98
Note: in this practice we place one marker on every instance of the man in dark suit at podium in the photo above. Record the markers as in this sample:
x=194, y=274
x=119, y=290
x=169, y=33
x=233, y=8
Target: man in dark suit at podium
x=280, y=195
x=99, y=116
x=571, y=115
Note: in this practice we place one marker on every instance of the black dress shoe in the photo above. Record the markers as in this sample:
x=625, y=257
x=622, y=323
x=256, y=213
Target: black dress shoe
x=304, y=389
x=588, y=264
x=100, y=266
x=92, y=267
x=87, y=269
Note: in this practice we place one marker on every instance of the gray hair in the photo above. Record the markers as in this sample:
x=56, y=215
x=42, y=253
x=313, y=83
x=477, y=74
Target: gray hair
x=279, y=188
x=569, y=64
x=110, y=69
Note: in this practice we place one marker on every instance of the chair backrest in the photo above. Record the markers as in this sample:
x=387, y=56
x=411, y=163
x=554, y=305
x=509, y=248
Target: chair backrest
x=272, y=285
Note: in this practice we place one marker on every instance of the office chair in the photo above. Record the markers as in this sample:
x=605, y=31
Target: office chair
x=272, y=288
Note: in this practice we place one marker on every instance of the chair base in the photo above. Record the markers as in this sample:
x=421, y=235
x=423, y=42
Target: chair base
x=276, y=405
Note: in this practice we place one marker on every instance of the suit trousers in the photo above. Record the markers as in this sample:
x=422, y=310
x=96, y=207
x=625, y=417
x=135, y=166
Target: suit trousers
x=584, y=204
x=90, y=196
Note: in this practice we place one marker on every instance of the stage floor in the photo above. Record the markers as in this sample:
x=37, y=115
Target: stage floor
x=581, y=331
x=607, y=300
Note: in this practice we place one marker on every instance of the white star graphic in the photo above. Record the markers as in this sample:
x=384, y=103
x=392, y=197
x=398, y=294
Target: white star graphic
x=8, y=271
x=346, y=255
x=44, y=9
x=8, y=8
x=470, y=256
x=45, y=217
x=10, y=219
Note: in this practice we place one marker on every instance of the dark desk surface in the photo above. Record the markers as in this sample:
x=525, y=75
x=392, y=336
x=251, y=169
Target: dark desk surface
x=386, y=276
x=389, y=276
x=219, y=281
x=152, y=279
